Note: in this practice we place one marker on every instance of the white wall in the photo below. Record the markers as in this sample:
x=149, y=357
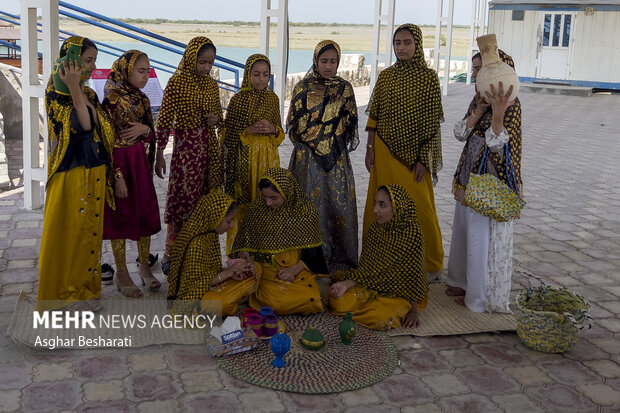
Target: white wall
x=596, y=47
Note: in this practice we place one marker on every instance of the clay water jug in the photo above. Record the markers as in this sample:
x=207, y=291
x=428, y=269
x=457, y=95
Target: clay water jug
x=75, y=49
x=493, y=70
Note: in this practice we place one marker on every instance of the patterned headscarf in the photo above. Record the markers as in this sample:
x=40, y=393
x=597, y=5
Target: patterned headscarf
x=406, y=103
x=392, y=259
x=189, y=97
x=246, y=108
x=59, y=108
x=125, y=102
x=512, y=123
x=267, y=231
x=323, y=113
x=195, y=255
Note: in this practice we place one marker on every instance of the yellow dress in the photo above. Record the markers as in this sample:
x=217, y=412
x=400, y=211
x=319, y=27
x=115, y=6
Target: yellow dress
x=229, y=293
x=77, y=188
x=262, y=155
x=388, y=170
x=302, y=296
x=380, y=313
x=391, y=273
x=69, y=267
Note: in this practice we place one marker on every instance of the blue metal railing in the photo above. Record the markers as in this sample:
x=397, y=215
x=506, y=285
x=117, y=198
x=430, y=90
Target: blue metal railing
x=178, y=47
x=13, y=46
x=159, y=65
x=229, y=65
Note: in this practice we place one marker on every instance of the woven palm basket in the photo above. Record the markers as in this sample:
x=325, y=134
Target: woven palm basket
x=549, y=319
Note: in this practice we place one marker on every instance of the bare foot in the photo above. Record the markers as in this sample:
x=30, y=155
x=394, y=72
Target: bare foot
x=455, y=291
x=125, y=285
x=460, y=300
x=147, y=276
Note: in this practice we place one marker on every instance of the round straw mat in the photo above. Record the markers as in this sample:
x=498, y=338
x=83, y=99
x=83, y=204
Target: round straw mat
x=337, y=367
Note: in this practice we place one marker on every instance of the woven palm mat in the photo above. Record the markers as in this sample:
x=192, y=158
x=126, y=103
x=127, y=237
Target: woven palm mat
x=444, y=317
x=337, y=367
x=152, y=305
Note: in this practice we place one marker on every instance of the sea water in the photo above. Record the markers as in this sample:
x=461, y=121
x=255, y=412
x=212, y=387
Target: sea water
x=299, y=60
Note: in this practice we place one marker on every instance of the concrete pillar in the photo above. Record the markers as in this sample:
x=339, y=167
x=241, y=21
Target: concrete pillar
x=33, y=89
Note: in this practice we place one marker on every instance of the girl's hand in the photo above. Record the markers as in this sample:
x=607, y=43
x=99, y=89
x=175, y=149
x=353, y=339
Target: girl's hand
x=338, y=289
x=289, y=274
x=160, y=164
x=498, y=100
x=132, y=133
x=370, y=158
x=262, y=126
x=481, y=106
x=241, y=270
x=419, y=170
x=121, y=188
x=72, y=74
x=212, y=119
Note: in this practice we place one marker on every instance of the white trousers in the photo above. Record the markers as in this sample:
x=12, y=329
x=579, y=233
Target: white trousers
x=481, y=260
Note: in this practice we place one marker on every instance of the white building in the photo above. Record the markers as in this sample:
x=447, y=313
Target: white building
x=567, y=42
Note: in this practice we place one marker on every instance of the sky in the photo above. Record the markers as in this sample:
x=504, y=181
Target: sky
x=325, y=11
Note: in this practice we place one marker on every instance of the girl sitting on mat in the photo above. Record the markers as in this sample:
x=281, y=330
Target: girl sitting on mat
x=281, y=234
x=389, y=286
x=196, y=263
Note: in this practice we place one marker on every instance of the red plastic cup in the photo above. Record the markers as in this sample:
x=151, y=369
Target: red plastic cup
x=255, y=322
x=246, y=313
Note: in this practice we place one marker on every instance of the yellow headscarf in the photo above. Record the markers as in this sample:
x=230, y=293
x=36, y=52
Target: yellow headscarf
x=392, y=259
x=327, y=124
x=245, y=109
x=406, y=103
x=59, y=108
x=295, y=225
x=195, y=255
x=189, y=97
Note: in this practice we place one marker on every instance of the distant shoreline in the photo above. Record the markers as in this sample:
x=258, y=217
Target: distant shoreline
x=350, y=37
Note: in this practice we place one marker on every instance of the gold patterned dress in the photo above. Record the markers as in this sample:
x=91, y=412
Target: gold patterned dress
x=391, y=273
x=195, y=167
x=76, y=191
x=322, y=124
x=281, y=238
x=136, y=216
x=196, y=259
x=248, y=156
x=405, y=113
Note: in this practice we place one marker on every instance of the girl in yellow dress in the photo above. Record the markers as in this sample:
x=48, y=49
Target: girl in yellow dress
x=81, y=143
x=196, y=276
x=389, y=286
x=405, y=113
x=281, y=234
x=251, y=135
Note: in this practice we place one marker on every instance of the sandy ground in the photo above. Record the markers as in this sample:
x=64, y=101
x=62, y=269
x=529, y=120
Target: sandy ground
x=357, y=38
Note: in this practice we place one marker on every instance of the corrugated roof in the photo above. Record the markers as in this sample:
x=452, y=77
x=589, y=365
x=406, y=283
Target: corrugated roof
x=560, y=3
x=13, y=33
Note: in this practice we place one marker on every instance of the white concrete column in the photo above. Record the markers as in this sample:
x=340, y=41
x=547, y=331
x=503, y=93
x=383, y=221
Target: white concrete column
x=477, y=27
x=33, y=89
x=280, y=66
x=379, y=20
x=447, y=50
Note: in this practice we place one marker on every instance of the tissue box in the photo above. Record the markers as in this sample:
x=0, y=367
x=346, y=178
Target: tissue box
x=232, y=343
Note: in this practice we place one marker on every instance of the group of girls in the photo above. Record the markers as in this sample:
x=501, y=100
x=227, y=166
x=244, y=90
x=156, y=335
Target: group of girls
x=291, y=234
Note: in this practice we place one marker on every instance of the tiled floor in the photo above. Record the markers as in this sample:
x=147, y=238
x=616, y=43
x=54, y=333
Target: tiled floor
x=569, y=235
